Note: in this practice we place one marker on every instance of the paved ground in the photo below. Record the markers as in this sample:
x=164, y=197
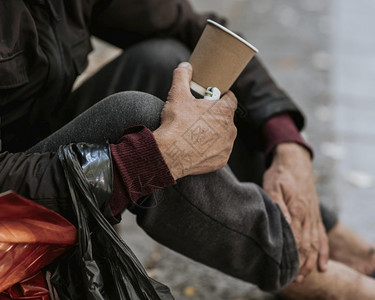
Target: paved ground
x=321, y=52
x=352, y=85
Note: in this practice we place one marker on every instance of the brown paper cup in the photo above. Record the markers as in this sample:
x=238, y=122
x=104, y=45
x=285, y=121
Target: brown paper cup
x=219, y=58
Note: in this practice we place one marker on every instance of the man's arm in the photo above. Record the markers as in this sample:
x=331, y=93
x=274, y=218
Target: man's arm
x=143, y=161
x=289, y=181
x=196, y=136
x=38, y=177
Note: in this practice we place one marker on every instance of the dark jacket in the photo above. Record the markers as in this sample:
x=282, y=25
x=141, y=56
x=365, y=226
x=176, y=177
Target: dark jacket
x=40, y=177
x=43, y=48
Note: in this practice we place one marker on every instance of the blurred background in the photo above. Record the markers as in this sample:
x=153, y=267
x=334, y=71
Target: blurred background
x=322, y=52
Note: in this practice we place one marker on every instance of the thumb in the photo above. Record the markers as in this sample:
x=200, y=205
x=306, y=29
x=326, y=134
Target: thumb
x=274, y=191
x=279, y=200
x=277, y=197
x=324, y=248
x=181, y=81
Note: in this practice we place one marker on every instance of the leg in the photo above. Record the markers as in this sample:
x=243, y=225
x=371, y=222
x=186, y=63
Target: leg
x=145, y=67
x=338, y=282
x=351, y=249
x=231, y=226
x=248, y=165
x=106, y=120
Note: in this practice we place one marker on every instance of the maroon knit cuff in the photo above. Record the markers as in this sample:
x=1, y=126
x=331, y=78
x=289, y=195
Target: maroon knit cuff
x=138, y=168
x=281, y=129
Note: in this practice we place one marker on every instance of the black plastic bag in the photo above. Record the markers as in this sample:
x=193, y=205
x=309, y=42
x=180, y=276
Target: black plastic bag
x=102, y=266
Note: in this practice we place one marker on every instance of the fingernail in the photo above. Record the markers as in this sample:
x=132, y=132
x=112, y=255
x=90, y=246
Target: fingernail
x=184, y=65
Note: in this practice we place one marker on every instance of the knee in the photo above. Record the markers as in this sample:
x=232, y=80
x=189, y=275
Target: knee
x=132, y=108
x=159, y=56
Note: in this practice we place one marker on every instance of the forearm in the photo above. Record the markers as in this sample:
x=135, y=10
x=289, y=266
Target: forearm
x=290, y=182
x=138, y=167
x=40, y=176
x=278, y=130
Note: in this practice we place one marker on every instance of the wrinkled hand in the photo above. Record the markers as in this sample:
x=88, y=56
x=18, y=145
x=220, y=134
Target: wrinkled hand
x=290, y=183
x=196, y=136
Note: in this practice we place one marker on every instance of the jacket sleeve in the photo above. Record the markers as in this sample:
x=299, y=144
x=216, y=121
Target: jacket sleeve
x=38, y=177
x=149, y=19
x=42, y=177
x=128, y=21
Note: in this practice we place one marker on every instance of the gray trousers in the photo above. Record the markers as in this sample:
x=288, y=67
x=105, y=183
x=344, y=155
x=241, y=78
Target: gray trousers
x=214, y=218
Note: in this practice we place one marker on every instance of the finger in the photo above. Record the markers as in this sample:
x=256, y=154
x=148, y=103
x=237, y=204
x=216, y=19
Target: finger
x=181, y=81
x=296, y=225
x=323, y=249
x=275, y=193
x=278, y=198
x=299, y=232
x=308, y=266
x=230, y=100
x=310, y=245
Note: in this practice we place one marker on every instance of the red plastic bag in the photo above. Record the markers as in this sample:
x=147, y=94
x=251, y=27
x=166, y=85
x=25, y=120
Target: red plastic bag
x=31, y=237
x=32, y=288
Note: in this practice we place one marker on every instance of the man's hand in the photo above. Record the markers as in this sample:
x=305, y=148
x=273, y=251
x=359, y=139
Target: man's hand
x=290, y=183
x=196, y=136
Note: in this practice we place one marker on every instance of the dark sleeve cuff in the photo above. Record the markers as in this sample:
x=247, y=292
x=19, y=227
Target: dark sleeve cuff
x=281, y=129
x=138, y=168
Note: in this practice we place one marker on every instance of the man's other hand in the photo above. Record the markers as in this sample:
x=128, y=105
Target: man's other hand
x=290, y=183
x=196, y=136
